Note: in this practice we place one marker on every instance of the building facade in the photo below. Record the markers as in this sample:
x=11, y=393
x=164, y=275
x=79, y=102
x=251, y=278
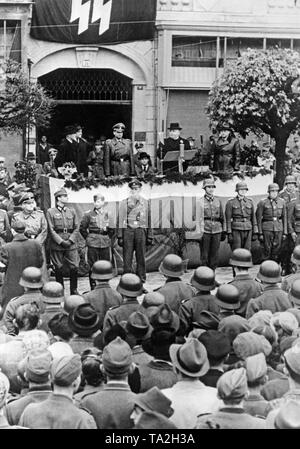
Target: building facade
x=147, y=83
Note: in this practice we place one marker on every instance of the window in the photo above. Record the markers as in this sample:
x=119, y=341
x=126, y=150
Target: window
x=194, y=51
x=236, y=46
x=10, y=40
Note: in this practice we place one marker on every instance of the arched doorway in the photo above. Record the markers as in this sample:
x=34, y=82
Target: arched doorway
x=94, y=98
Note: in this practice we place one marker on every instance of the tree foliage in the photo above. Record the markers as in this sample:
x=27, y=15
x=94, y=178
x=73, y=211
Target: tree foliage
x=255, y=93
x=22, y=101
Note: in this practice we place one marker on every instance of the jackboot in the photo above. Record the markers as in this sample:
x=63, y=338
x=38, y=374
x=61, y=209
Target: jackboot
x=59, y=277
x=73, y=282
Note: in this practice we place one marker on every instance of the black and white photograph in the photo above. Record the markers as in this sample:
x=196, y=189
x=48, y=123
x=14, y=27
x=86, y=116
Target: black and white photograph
x=150, y=217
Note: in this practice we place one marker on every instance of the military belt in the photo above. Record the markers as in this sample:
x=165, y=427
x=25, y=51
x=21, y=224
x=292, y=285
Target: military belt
x=241, y=220
x=121, y=159
x=272, y=219
x=63, y=231
x=98, y=231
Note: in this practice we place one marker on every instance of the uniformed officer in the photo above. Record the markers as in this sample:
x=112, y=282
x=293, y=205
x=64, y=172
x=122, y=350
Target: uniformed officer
x=294, y=220
x=130, y=287
x=289, y=194
x=64, y=229
x=241, y=261
x=118, y=154
x=271, y=217
x=240, y=219
x=134, y=229
x=36, y=223
x=203, y=280
x=103, y=297
x=213, y=225
x=94, y=228
x=272, y=298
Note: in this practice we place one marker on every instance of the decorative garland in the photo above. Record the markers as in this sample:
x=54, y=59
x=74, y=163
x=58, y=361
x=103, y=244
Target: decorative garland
x=153, y=179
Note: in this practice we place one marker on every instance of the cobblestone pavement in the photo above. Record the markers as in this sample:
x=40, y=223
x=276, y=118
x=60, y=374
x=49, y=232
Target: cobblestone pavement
x=154, y=280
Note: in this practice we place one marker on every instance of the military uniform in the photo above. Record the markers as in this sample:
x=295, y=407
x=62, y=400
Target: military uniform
x=102, y=298
x=11, y=308
x=294, y=218
x=120, y=313
x=94, y=227
x=63, y=225
x=248, y=288
x=190, y=309
x=272, y=298
x=118, y=157
x=213, y=227
x=288, y=245
x=135, y=231
x=174, y=291
x=288, y=281
x=36, y=224
x=240, y=222
x=272, y=224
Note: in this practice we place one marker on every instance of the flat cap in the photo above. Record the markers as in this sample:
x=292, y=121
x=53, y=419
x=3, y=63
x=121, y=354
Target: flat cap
x=256, y=367
x=216, y=343
x=65, y=370
x=233, y=384
x=153, y=299
x=138, y=324
x=233, y=325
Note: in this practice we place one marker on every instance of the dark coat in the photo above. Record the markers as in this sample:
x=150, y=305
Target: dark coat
x=156, y=373
x=18, y=255
x=111, y=407
x=230, y=418
x=191, y=309
x=248, y=288
x=211, y=378
x=56, y=412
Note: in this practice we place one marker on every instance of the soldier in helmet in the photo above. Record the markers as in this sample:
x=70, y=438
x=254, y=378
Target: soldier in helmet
x=53, y=298
x=134, y=232
x=175, y=289
x=94, y=228
x=16, y=256
x=272, y=298
x=103, y=297
x=118, y=154
x=130, y=287
x=240, y=219
x=288, y=280
x=228, y=300
x=31, y=281
x=214, y=226
x=73, y=301
x=241, y=261
x=64, y=229
x=203, y=280
x=294, y=294
x=289, y=194
x=271, y=217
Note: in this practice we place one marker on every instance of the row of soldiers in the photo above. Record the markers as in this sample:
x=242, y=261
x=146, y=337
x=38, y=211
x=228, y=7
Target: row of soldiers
x=275, y=222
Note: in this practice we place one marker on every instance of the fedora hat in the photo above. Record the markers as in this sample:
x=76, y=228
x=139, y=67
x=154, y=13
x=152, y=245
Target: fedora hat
x=174, y=125
x=84, y=320
x=154, y=400
x=138, y=325
x=159, y=343
x=190, y=358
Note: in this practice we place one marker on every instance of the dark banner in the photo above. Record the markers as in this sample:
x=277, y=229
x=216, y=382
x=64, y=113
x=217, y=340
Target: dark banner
x=93, y=21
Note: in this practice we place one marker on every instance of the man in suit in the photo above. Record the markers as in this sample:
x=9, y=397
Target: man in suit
x=82, y=151
x=118, y=155
x=172, y=143
x=68, y=147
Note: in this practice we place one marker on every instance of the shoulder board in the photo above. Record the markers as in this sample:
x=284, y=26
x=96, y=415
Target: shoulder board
x=249, y=199
x=231, y=199
x=39, y=211
x=108, y=141
x=157, y=288
x=127, y=140
x=85, y=293
x=184, y=301
x=88, y=211
x=14, y=299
